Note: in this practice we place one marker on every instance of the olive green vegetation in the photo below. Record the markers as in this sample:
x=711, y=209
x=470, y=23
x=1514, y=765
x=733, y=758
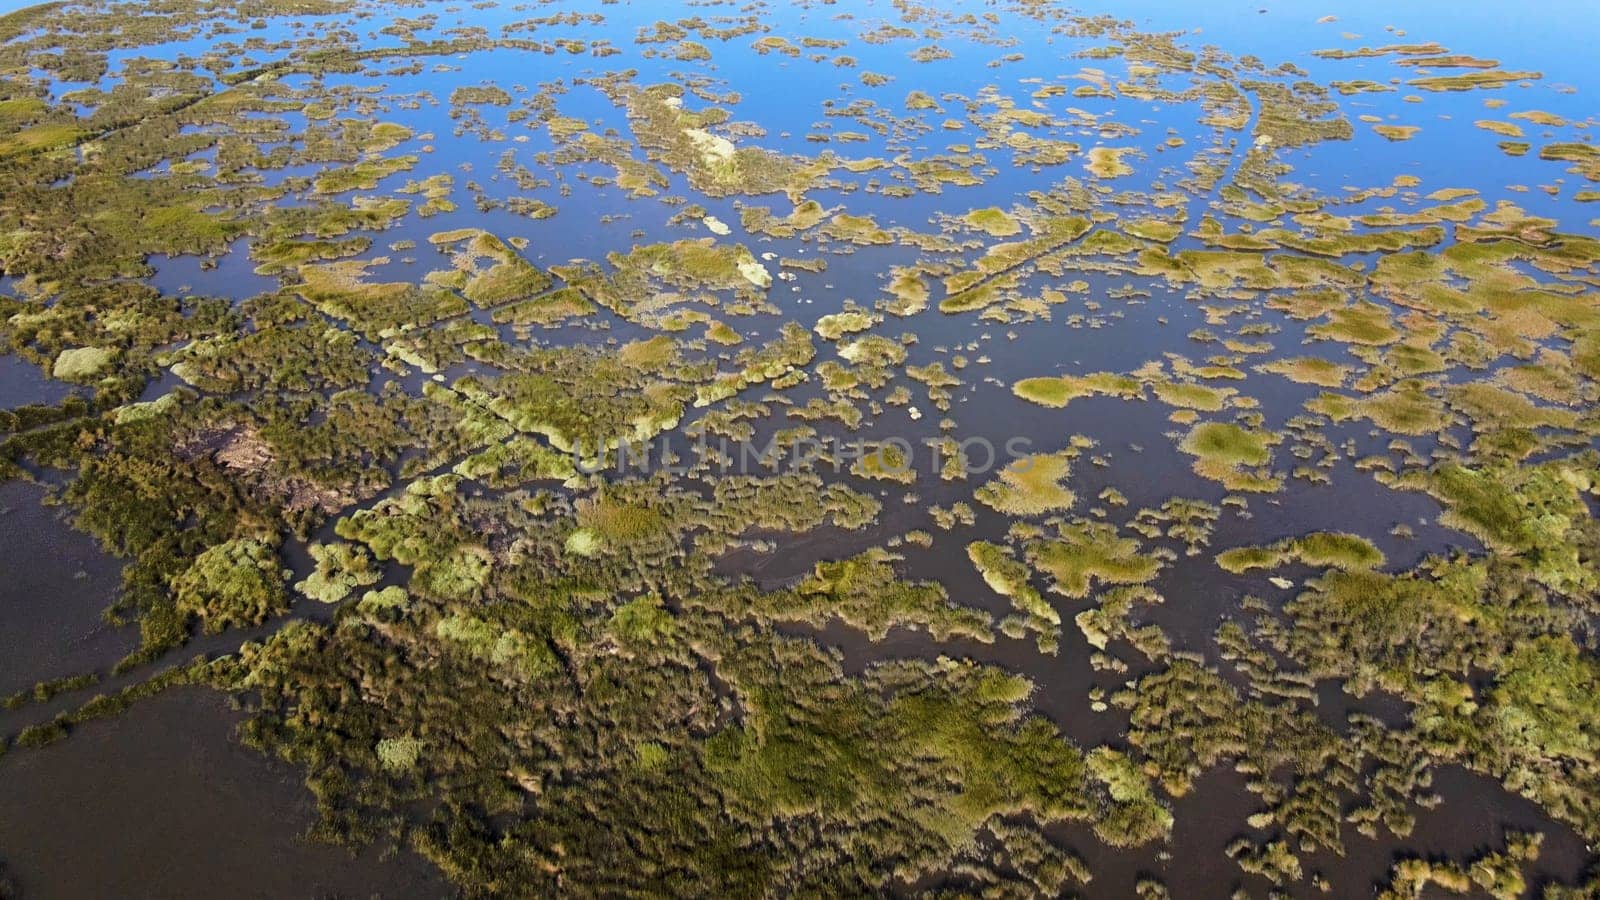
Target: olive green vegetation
x=648, y=756
x=1030, y=486
x=1009, y=578
x=237, y=582
x=1319, y=549
x=1533, y=512
x=1404, y=409
x=1083, y=553
x=549, y=673
x=993, y=221
x=1233, y=455
x=865, y=593
x=1063, y=389
x=341, y=568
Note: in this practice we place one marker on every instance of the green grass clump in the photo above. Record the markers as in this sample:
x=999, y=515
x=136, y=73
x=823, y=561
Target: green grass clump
x=1031, y=486
x=510, y=649
x=1056, y=392
x=1060, y=390
x=288, y=255
x=886, y=462
x=1467, y=81
x=836, y=325
x=820, y=755
x=549, y=309
x=976, y=286
x=697, y=264
x=1106, y=162
x=1397, y=132
x=16, y=112
x=1587, y=156
x=1134, y=816
x=82, y=363
x=1531, y=511
x=510, y=279
x=1159, y=230
x=507, y=276
x=1242, y=559
x=993, y=221
x=1546, y=701
x=1493, y=408
x=649, y=354
x=1232, y=455
x=862, y=230
x=1322, y=549
x=233, y=584
x=863, y=592
x=341, y=568
x=377, y=309
x=1223, y=443
x=642, y=621
x=1365, y=323
x=910, y=292
x=1084, y=552
x=617, y=524
x=1407, y=408
x=515, y=461
x=1009, y=578
x=1308, y=370
x=469, y=94
x=1336, y=549
x=362, y=176
x=760, y=219
x=583, y=542
x=40, y=138
x=1185, y=395
x=399, y=754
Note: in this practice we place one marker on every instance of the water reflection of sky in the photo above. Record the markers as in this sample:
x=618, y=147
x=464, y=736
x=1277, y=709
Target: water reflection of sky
x=788, y=97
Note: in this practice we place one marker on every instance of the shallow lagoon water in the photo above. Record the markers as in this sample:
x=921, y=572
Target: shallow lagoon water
x=24, y=384
x=53, y=595
x=164, y=802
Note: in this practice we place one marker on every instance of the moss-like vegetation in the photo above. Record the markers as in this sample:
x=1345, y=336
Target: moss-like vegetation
x=1232, y=455
x=837, y=325
x=1061, y=390
x=81, y=363
x=1366, y=324
x=1531, y=511
x=1106, y=162
x=1309, y=370
x=865, y=592
x=993, y=221
x=341, y=569
x=1321, y=549
x=1085, y=552
x=1406, y=409
x=1009, y=578
x=1031, y=486
x=239, y=582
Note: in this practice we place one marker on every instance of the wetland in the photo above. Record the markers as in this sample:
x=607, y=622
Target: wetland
x=848, y=448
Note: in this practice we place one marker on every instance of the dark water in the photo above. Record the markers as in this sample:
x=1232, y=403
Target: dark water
x=23, y=383
x=1473, y=819
x=158, y=802
x=163, y=802
x=57, y=582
